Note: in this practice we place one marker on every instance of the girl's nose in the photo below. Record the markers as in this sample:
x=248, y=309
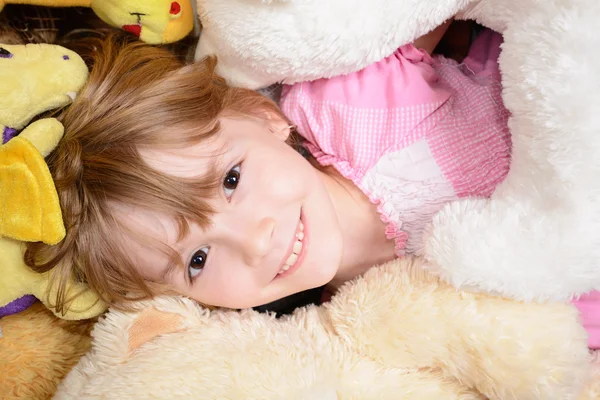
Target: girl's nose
x=258, y=242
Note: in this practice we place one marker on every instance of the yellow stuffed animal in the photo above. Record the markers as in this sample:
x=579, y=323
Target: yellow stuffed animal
x=153, y=21
x=29, y=206
x=26, y=89
x=36, y=78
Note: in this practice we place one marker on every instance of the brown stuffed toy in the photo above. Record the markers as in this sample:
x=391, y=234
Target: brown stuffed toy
x=37, y=350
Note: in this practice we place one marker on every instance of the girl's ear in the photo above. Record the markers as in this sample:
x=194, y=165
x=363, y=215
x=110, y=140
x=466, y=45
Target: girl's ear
x=278, y=125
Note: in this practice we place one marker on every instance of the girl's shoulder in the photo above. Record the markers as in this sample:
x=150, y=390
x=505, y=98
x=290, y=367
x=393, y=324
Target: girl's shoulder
x=405, y=78
x=356, y=117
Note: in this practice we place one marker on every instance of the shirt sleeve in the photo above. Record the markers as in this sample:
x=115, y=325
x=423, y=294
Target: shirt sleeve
x=359, y=116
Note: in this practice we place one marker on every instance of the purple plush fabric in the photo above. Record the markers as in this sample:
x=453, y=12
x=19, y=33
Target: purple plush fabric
x=18, y=305
x=8, y=134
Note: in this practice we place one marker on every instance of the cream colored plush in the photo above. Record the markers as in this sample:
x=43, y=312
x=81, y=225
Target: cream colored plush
x=396, y=333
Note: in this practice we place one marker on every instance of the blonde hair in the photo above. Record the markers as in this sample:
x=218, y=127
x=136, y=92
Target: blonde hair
x=137, y=96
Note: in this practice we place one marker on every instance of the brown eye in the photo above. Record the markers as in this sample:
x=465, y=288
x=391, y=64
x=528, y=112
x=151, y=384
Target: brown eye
x=231, y=181
x=197, y=263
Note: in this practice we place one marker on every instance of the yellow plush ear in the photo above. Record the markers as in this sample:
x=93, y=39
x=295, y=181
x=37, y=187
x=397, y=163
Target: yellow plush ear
x=29, y=206
x=151, y=323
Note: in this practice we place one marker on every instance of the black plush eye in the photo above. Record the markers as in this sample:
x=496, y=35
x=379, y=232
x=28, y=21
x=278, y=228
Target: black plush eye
x=5, y=53
x=197, y=263
x=231, y=181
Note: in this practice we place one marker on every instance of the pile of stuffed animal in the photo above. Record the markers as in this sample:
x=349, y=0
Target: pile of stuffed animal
x=39, y=347
x=484, y=314
x=36, y=78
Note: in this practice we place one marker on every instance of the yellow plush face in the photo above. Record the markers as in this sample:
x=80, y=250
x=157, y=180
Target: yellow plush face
x=37, y=78
x=153, y=21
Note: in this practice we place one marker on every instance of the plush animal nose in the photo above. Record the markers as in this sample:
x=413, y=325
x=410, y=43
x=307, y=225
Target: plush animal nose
x=66, y=57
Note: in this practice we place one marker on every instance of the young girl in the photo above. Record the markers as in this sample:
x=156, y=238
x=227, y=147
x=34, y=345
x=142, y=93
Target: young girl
x=171, y=181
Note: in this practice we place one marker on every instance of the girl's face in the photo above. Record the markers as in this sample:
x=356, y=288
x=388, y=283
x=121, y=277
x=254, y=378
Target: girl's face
x=275, y=231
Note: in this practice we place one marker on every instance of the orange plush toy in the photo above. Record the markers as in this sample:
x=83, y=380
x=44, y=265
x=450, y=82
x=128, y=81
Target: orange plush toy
x=37, y=350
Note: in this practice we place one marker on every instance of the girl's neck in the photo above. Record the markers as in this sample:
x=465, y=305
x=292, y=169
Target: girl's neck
x=363, y=231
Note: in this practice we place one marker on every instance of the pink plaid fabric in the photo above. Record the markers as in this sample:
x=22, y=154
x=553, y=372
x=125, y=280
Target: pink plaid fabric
x=411, y=131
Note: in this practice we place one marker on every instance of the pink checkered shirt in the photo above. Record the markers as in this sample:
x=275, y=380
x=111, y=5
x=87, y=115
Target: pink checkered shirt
x=411, y=131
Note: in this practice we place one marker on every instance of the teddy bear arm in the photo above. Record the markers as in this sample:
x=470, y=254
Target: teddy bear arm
x=512, y=349
x=402, y=317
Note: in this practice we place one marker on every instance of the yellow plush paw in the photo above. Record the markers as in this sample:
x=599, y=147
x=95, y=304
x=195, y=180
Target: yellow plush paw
x=17, y=279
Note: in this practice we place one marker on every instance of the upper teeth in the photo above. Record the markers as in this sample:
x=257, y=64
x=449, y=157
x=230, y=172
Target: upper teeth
x=295, y=250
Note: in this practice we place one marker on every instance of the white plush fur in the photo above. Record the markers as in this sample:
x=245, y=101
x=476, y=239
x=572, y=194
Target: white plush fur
x=397, y=334
x=538, y=237
x=262, y=42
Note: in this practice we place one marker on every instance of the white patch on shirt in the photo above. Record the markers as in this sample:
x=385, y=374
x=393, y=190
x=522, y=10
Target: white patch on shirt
x=412, y=188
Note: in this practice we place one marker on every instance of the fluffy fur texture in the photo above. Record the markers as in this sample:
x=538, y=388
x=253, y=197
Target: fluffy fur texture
x=37, y=350
x=396, y=333
x=538, y=238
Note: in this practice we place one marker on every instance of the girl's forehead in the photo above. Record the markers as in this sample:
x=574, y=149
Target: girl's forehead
x=148, y=232
x=146, y=229
x=153, y=224
x=190, y=161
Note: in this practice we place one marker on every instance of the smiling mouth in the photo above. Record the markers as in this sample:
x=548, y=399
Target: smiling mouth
x=136, y=29
x=296, y=254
